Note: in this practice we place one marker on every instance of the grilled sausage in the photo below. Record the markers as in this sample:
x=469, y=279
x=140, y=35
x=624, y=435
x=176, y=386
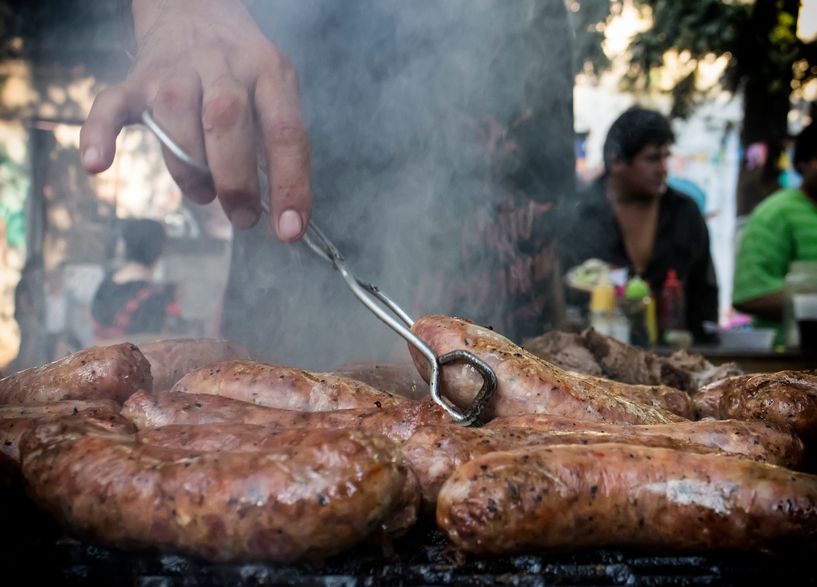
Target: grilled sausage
x=154, y=410
x=232, y=437
x=434, y=452
x=312, y=498
x=57, y=408
x=526, y=383
x=785, y=398
x=399, y=379
x=755, y=440
x=15, y=420
x=111, y=372
x=571, y=496
x=172, y=359
x=707, y=401
x=663, y=397
x=286, y=388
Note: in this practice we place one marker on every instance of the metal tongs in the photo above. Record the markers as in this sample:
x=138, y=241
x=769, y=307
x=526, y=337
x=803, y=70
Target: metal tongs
x=381, y=305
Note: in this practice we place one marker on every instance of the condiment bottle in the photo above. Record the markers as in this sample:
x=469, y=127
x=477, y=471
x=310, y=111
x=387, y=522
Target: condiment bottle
x=651, y=320
x=602, y=305
x=672, y=311
x=637, y=299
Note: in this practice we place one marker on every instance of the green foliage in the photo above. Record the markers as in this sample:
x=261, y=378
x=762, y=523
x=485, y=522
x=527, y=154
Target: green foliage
x=758, y=38
x=588, y=19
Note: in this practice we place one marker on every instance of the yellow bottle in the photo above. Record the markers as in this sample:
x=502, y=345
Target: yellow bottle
x=652, y=321
x=602, y=305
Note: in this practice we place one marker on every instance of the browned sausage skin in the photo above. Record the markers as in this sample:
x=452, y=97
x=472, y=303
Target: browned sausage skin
x=57, y=408
x=287, y=388
x=398, y=422
x=785, y=398
x=16, y=420
x=235, y=437
x=433, y=452
x=755, y=440
x=111, y=372
x=172, y=359
x=526, y=383
x=707, y=401
x=309, y=499
x=571, y=496
x=662, y=397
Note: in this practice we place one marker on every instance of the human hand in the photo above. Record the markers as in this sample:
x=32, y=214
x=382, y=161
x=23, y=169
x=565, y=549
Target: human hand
x=223, y=92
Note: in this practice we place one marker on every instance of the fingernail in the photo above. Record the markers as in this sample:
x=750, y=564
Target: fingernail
x=244, y=217
x=91, y=157
x=289, y=225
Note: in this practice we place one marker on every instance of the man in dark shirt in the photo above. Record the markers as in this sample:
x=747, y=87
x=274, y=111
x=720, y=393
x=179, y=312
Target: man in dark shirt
x=630, y=218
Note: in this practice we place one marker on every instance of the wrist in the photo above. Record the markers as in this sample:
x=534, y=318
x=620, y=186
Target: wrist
x=150, y=14
x=146, y=13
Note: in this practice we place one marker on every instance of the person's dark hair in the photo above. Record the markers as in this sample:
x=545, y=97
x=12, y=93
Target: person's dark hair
x=144, y=240
x=805, y=145
x=635, y=129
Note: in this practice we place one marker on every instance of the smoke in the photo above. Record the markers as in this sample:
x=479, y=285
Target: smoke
x=425, y=119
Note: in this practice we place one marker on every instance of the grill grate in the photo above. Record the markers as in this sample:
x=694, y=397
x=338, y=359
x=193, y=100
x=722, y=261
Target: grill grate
x=39, y=550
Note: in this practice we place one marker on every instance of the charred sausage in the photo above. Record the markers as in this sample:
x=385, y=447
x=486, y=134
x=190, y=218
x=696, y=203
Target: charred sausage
x=755, y=440
x=287, y=388
x=785, y=398
x=526, y=383
x=663, y=397
x=311, y=498
x=57, y=408
x=571, y=496
x=232, y=437
x=172, y=359
x=16, y=420
x=707, y=401
x=434, y=452
x=398, y=422
x=110, y=372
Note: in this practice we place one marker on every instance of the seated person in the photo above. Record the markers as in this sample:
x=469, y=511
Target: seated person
x=629, y=217
x=781, y=229
x=129, y=302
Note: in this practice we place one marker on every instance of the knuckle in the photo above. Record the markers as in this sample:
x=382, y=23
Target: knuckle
x=224, y=110
x=177, y=95
x=277, y=66
x=287, y=134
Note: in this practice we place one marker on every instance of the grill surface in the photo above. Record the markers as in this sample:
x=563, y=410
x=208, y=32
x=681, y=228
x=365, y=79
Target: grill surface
x=32, y=548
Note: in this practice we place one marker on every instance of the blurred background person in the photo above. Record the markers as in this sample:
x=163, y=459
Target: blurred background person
x=129, y=301
x=781, y=229
x=630, y=218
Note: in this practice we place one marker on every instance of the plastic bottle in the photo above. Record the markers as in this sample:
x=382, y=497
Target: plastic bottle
x=636, y=301
x=672, y=311
x=651, y=320
x=602, y=306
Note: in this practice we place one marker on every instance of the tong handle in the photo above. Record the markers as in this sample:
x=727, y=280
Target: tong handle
x=371, y=296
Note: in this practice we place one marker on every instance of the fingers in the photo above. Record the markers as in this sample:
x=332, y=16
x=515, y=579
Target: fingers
x=286, y=147
x=112, y=109
x=229, y=139
x=176, y=108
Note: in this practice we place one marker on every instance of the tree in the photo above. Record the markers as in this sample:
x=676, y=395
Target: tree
x=765, y=62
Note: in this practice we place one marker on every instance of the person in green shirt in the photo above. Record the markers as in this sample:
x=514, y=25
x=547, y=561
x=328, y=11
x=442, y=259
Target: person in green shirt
x=782, y=229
